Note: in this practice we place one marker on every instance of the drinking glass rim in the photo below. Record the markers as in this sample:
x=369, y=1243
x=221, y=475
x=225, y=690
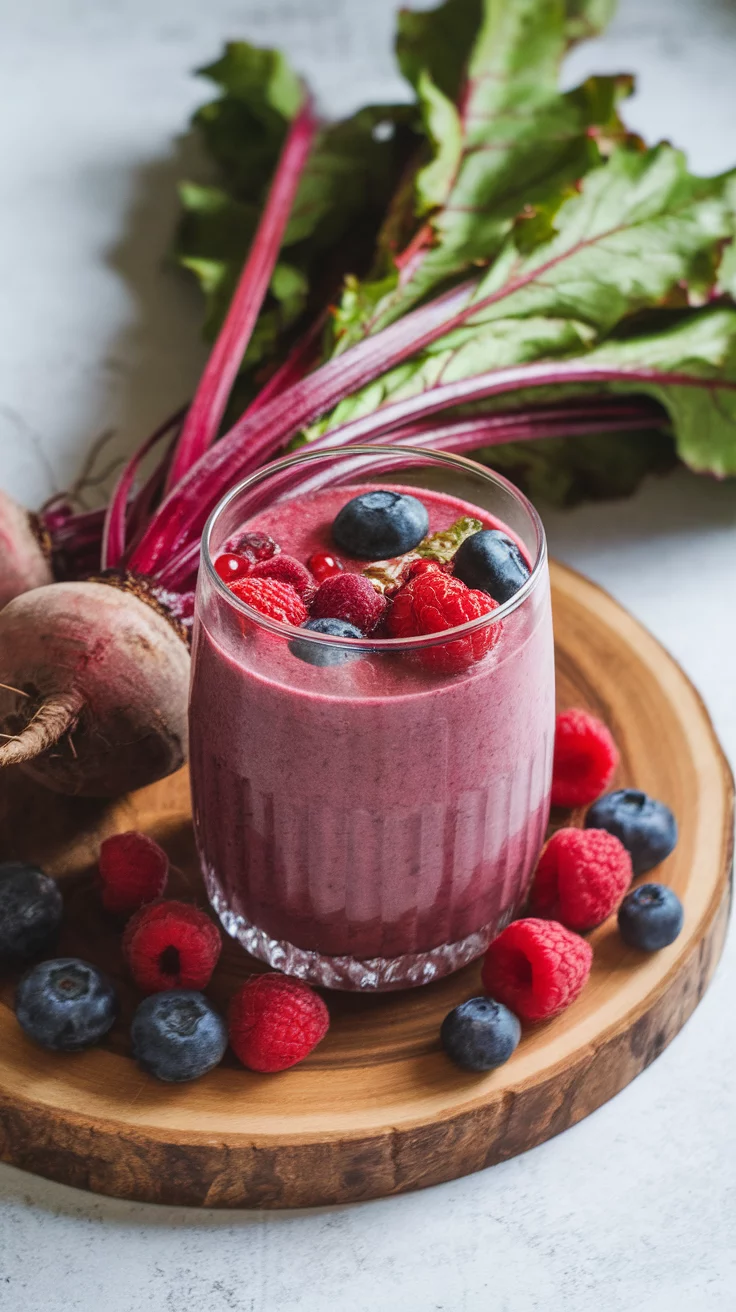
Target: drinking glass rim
x=376, y=644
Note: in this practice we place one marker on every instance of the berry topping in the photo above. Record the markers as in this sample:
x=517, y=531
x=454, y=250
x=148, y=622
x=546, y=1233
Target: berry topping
x=380, y=524
x=650, y=917
x=178, y=1036
x=275, y=1022
x=417, y=567
x=349, y=597
x=441, y=546
x=133, y=870
x=323, y=565
x=318, y=653
x=66, y=1004
x=435, y=551
x=230, y=567
x=277, y=600
x=256, y=547
x=480, y=1034
x=171, y=945
x=489, y=560
x=536, y=968
x=647, y=828
x=287, y=570
x=30, y=912
x=585, y=759
x=387, y=576
x=581, y=878
x=432, y=602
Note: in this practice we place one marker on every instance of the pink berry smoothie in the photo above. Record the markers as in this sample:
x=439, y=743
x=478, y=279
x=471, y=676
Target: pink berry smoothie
x=372, y=824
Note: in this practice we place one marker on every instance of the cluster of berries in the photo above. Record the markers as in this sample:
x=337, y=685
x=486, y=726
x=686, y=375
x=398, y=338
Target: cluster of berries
x=171, y=949
x=532, y=971
x=323, y=597
x=538, y=965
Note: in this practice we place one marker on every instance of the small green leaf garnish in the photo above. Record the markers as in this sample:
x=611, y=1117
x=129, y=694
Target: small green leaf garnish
x=388, y=575
x=443, y=544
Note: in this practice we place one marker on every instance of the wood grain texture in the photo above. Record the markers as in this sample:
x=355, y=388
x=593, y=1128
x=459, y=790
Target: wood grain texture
x=377, y=1109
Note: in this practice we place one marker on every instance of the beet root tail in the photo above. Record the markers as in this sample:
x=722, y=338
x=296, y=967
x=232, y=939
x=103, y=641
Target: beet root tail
x=55, y=717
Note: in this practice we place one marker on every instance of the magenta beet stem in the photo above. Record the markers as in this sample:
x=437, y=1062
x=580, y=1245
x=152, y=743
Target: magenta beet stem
x=206, y=411
x=67, y=527
x=258, y=435
x=303, y=356
x=574, y=419
x=596, y=414
x=463, y=435
x=182, y=516
x=469, y=436
x=75, y=538
x=469, y=390
x=142, y=504
x=113, y=535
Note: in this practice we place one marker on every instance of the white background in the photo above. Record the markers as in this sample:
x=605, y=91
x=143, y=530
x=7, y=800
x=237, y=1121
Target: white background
x=633, y=1209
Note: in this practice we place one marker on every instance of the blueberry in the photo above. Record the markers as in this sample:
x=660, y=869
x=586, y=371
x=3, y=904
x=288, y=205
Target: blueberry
x=480, y=1034
x=379, y=525
x=65, y=1004
x=30, y=912
x=490, y=561
x=650, y=917
x=317, y=653
x=178, y=1036
x=646, y=827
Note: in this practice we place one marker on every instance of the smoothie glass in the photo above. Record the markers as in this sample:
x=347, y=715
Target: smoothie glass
x=371, y=824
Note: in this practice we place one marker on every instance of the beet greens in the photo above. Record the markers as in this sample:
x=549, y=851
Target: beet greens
x=496, y=263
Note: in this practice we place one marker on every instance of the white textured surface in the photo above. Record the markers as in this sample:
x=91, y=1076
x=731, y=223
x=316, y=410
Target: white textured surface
x=635, y=1207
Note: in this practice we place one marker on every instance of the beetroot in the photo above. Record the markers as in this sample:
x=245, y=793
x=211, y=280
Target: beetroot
x=102, y=680
x=23, y=562
x=95, y=675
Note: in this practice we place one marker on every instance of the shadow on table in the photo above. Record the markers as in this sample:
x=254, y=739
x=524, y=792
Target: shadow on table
x=20, y=1188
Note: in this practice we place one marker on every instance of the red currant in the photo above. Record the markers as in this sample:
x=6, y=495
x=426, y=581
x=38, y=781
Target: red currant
x=231, y=567
x=323, y=565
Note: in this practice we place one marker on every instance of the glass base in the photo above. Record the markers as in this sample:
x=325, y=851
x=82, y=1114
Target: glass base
x=376, y=974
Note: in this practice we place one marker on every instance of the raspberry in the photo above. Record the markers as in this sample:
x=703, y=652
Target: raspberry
x=171, y=945
x=424, y=567
x=275, y=1022
x=581, y=878
x=349, y=597
x=433, y=601
x=536, y=968
x=585, y=759
x=277, y=600
x=287, y=570
x=133, y=870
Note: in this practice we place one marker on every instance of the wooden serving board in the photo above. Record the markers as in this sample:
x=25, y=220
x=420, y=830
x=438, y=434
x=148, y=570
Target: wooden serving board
x=377, y=1109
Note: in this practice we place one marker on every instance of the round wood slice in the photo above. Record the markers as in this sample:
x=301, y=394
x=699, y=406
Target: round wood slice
x=377, y=1108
